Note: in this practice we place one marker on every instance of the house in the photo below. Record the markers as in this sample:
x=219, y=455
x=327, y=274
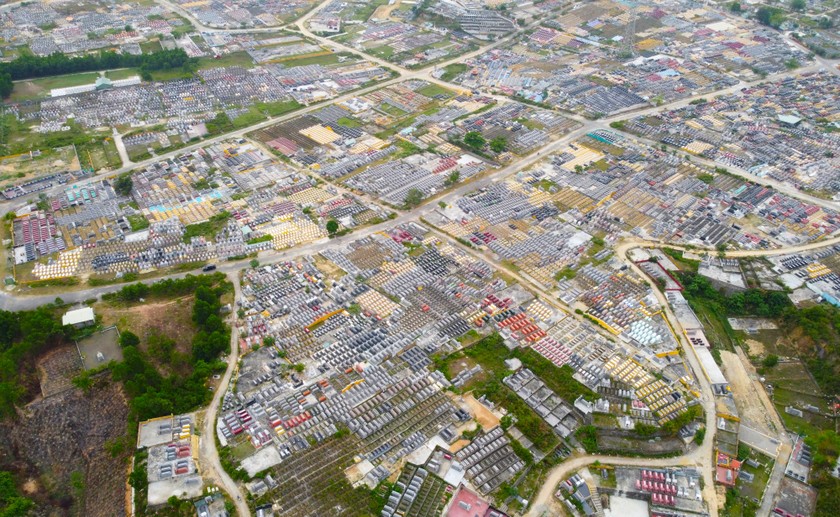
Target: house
x=79, y=318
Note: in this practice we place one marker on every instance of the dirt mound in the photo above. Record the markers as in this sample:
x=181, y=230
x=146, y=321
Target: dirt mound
x=60, y=441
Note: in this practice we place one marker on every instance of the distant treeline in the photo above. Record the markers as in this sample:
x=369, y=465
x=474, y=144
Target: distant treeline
x=31, y=67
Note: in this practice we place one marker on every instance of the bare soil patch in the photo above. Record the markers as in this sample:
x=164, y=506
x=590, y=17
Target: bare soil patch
x=57, y=368
x=483, y=416
x=752, y=409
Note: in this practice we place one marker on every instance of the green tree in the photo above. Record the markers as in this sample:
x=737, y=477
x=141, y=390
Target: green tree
x=474, y=140
x=452, y=179
x=735, y=7
x=771, y=16
x=498, y=145
x=332, y=226
x=11, y=503
x=413, y=197
x=129, y=339
x=123, y=184
x=798, y=5
x=770, y=361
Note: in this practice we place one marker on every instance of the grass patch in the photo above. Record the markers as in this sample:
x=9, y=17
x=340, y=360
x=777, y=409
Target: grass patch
x=242, y=59
x=251, y=117
x=406, y=149
x=207, y=229
x=432, y=90
x=452, y=71
x=318, y=59
x=149, y=47
x=261, y=238
x=349, y=122
x=384, y=51
x=275, y=109
x=122, y=73
x=138, y=222
x=392, y=110
x=35, y=88
x=677, y=257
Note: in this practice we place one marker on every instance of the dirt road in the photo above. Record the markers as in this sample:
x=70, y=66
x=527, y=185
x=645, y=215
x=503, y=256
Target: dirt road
x=212, y=469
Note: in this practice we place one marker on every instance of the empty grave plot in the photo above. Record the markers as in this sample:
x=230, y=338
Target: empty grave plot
x=313, y=483
x=290, y=130
x=57, y=369
x=29, y=166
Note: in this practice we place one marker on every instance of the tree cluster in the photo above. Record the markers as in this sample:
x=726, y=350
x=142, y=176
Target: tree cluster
x=153, y=394
x=770, y=16
x=213, y=336
x=123, y=184
x=169, y=287
x=11, y=502
x=30, y=66
x=752, y=302
x=24, y=335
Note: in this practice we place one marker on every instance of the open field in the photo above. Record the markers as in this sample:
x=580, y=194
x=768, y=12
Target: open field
x=26, y=166
x=794, y=386
x=151, y=321
x=35, y=88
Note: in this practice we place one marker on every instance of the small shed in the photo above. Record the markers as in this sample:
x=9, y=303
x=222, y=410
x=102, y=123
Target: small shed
x=79, y=318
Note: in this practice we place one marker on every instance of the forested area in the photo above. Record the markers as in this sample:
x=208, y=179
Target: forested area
x=151, y=393
x=752, y=302
x=12, y=504
x=23, y=336
x=30, y=66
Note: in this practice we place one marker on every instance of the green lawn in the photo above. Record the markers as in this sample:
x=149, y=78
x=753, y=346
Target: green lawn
x=275, y=109
x=384, y=51
x=349, y=122
x=452, y=71
x=35, y=88
x=325, y=59
x=253, y=116
x=123, y=73
x=242, y=59
x=390, y=109
x=431, y=90
x=171, y=75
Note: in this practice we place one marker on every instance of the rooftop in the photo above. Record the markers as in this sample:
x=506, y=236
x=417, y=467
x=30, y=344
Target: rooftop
x=77, y=316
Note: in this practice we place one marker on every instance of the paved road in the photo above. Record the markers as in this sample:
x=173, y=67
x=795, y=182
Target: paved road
x=123, y=152
x=786, y=250
x=211, y=466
